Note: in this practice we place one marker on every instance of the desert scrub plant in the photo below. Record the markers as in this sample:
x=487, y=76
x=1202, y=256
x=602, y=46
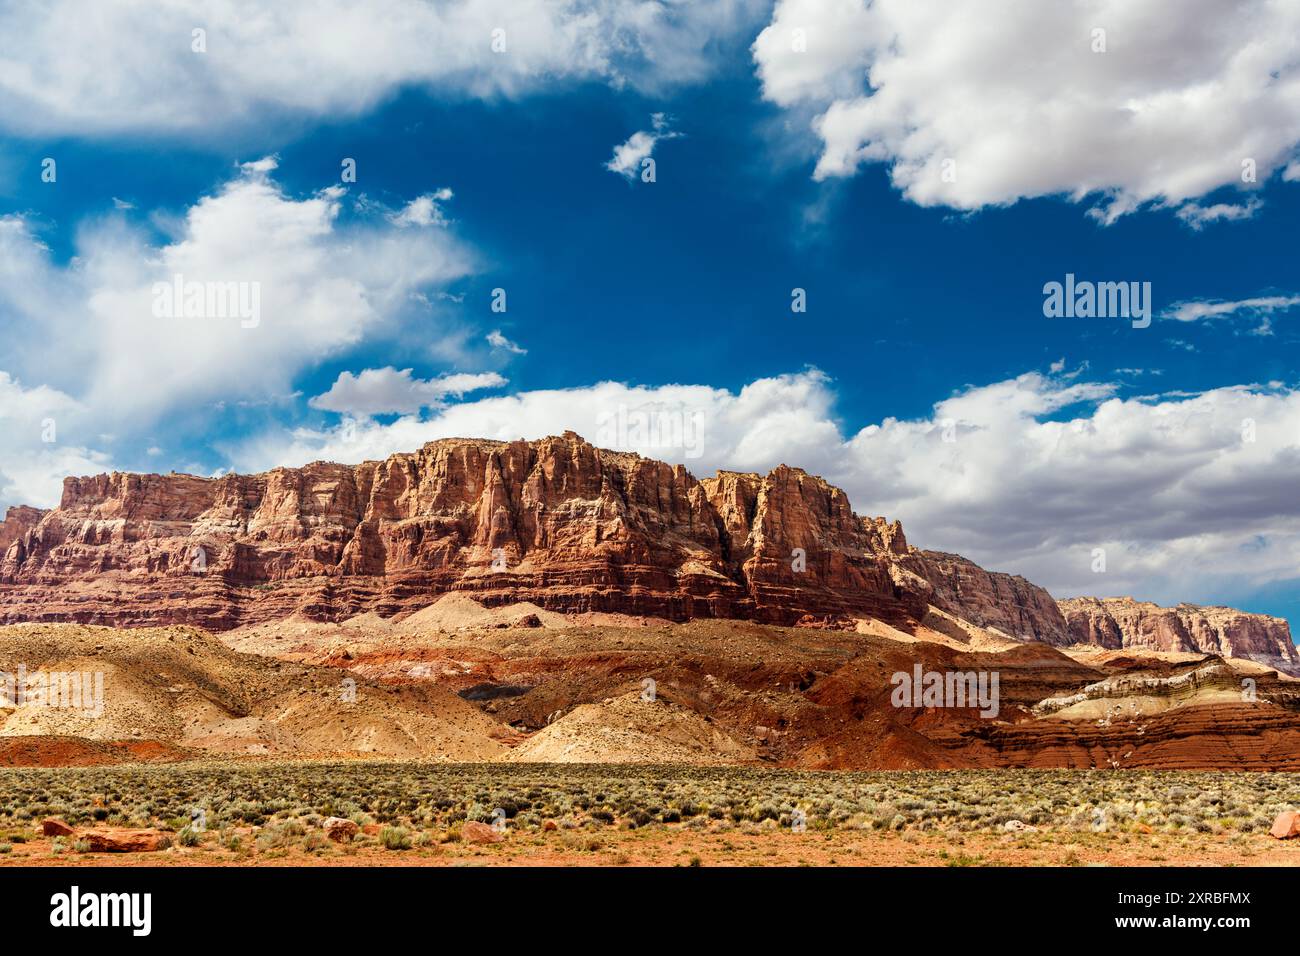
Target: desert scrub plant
x=279, y=836
x=584, y=843
x=436, y=796
x=314, y=842
x=395, y=838
x=188, y=836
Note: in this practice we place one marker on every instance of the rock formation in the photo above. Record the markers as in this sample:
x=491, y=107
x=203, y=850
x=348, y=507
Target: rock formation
x=1223, y=631
x=1006, y=602
x=556, y=522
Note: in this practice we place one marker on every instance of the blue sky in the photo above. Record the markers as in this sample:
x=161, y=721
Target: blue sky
x=924, y=298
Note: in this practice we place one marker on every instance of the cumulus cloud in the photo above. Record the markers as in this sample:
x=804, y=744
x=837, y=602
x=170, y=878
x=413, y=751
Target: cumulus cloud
x=1191, y=496
x=987, y=102
x=255, y=286
x=629, y=155
x=137, y=65
x=773, y=419
x=423, y=210
x=380, y=391
x=40, y=442
x=251, y=288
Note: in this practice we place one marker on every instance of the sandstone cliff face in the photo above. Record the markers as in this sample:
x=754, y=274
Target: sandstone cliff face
x=18, y=521
x=791, y=531
x=556, y=521
x=1224, y=631
x=1018, y=608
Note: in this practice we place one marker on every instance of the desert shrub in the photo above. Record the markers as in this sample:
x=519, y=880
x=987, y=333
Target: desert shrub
x=279, y=836
x=314, y=842
x=395, y=838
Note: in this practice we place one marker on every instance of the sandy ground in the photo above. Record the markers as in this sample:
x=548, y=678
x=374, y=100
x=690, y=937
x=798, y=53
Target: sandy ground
x=676, y=846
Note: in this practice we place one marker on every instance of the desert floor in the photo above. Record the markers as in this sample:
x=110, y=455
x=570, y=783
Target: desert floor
x=262, y=812
x=676, y=846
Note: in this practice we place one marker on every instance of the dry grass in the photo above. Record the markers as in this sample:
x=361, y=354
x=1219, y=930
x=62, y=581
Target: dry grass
x=422, y=796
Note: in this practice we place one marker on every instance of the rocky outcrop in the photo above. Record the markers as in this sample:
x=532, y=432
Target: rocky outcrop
x=557, y=522
x=125, y=841
x=1286, y=826
x=1188, y=628
x=1211, y=672
x=991, y=599
x=18, y=521
x=791, y=532
x=339, y=829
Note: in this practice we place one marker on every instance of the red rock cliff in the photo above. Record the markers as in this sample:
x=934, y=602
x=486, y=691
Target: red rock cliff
x=555, y=521
x=1124, y=622
x=1013, y=605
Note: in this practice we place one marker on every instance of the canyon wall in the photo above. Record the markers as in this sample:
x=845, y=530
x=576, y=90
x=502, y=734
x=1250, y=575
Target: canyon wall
x=1189, y=628
x=557, y=522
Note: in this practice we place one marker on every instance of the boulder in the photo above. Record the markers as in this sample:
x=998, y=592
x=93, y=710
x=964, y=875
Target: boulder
x=125, y=841
x=1286, y=826
x=471, y=831
x=339, y=829
x=55, y=828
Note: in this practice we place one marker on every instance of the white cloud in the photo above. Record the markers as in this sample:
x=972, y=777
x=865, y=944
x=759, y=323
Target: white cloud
x=131, y=65
x=101, y=328
x=986, y=102
x=1198, y=216
x=814, y=51
x=423, y=210
x=1191, y=495
x=379, y=391
x=1261, y=307
x=787, y=415
x=40, y=430
x=499, y=341
x=628, y=156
